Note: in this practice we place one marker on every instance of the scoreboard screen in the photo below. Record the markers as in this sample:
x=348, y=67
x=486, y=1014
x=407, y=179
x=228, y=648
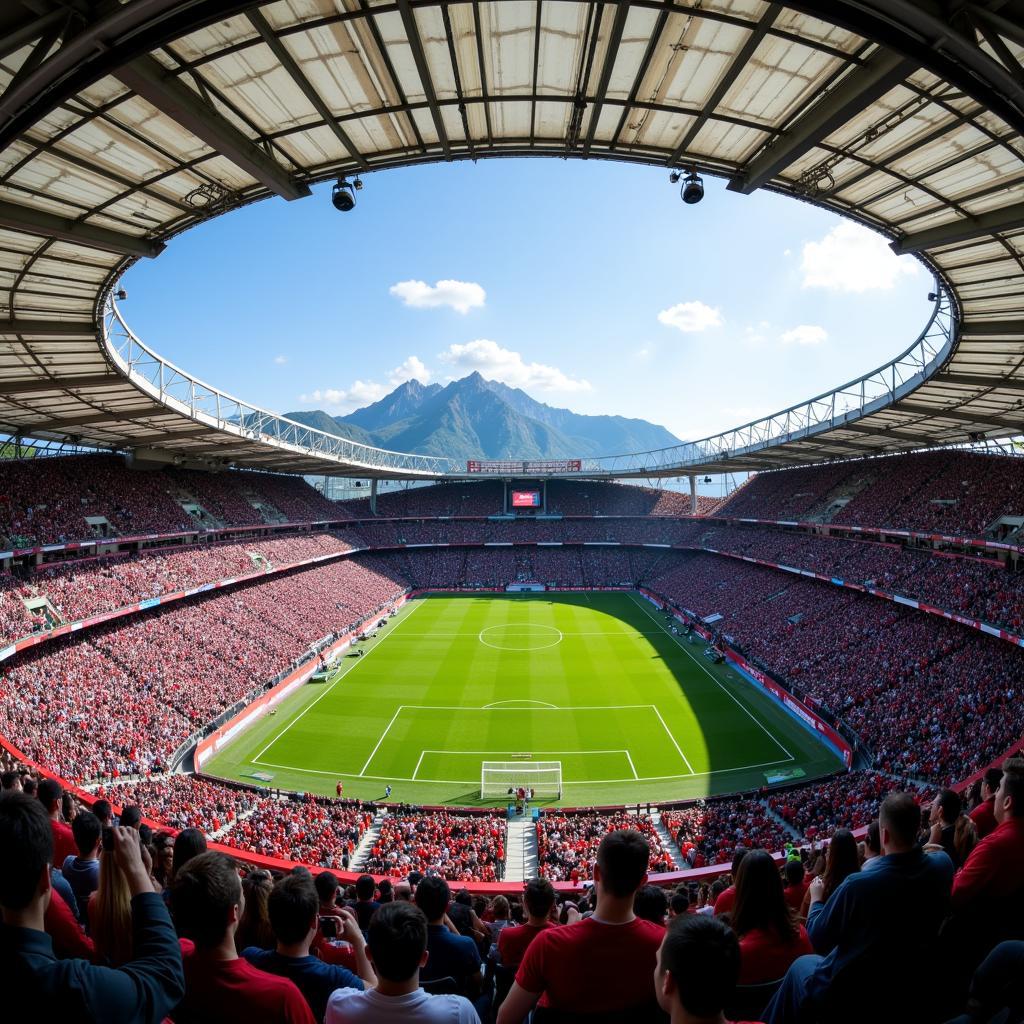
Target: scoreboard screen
x=526, y=499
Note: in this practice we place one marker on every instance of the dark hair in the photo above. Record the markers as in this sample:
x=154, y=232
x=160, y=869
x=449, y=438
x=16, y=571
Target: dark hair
x=992, y=778
x=86, y=829
x=49, y=793
x=679, y=903
x=131, y=816
x=539, y=897
x=26, y=847
x=841, y=861
x=292, y=906
x=464, y=897
x=30, y=785
x=794, y=872
x=202, y=895
x=189, y=843
x=365, y=887
x=254, y=927
x=651, y=903
x=950, y=805
x=702, y=954
x=326, y=884
x=623, y=858
x=873, y=837
x=900, y=814
x=7, y=780
x=433, y=897
x=385, y=890
x=103, y=811
x=397, y=938
x=414, y=878
x=760, y=901
x=1013, y=783
x=737, y=859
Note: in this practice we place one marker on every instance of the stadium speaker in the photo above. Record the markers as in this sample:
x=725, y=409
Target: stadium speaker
x=343, y=196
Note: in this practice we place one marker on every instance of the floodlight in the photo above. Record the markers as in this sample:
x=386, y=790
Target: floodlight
x=343, y=196
x=358, y=184
x=693, y=188
x=121, y=295
x=674, y=177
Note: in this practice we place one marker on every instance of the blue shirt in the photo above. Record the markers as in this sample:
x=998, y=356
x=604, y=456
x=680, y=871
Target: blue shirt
x=84, y=878
x=313, y=978
x=876, y=921
x=451, y=956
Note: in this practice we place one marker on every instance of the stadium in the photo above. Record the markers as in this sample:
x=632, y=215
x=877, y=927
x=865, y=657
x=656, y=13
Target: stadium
x=483, y=668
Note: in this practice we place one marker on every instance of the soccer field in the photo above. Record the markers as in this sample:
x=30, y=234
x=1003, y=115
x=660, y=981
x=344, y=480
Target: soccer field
x=595, y=681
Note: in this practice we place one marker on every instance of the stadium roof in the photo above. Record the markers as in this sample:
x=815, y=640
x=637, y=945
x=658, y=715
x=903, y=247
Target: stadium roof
x=123, y=124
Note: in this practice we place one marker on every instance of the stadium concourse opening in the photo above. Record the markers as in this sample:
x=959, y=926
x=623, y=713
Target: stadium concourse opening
x=602, y=682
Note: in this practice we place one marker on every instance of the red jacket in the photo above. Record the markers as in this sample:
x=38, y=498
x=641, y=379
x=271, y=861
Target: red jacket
x=993, y=872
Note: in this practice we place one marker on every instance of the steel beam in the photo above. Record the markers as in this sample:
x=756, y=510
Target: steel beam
x=979, y=419
x=36, y=385
x=859, y=89
x=412, y=32
x=977, y=380
x=1003, y=218
x=151, y=81
x=991, y=328
x=50, y=225
x=49, y=328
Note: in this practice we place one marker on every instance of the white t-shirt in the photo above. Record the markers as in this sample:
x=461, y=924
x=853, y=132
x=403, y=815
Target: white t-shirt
x=350, y=1006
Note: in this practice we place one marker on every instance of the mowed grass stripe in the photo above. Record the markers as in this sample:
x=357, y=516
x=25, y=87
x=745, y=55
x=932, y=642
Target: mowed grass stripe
x=613, y=652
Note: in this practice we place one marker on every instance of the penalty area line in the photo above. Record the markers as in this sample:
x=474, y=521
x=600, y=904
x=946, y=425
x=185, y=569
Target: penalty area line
x=673, y=739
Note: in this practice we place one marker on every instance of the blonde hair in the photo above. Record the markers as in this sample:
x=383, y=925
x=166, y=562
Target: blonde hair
x=110, y=914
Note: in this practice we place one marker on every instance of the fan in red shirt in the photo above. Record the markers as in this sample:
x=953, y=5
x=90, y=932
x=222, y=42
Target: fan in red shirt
x=723, y=905
x=613, y=945
x=207, y=901
x=796, y=886
x=983, y=815
x=50, y=794
x=538, y=898
x=770, y=937
x=696, y=971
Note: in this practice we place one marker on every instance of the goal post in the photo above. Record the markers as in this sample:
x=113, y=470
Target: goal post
x=543, y=777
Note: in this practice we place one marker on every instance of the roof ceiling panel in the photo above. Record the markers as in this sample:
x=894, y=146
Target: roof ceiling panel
x=702, y=52
x=434, y=41
x=396, y=42
x=508, y=51
x=561, y=48
x=551, y=120
x=314, y=146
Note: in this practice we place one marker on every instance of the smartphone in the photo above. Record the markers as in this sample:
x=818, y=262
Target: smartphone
x=108, y=838
x=330, y=927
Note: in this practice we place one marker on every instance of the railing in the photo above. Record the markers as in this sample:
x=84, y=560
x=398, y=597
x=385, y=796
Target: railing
x=830, y=410
x=204, y=404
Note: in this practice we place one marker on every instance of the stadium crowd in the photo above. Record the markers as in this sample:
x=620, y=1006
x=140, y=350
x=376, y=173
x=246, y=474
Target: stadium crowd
x=710, y=832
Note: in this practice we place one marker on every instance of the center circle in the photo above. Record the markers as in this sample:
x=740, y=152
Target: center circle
x=520, y=636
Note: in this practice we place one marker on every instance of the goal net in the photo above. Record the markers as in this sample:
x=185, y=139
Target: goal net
x=543, y=777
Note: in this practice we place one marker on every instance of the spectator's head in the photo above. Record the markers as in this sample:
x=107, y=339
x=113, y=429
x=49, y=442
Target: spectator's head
x=188, y=843
x=103, y=811
x=898, y=821
x=464, y=897
x=293, y=906
x=873, y=840
x=207, y=900
x=679, y=902
x=651, y=903
x=10, y=782
x=760, y=900
x=539, y=897
x=500, y=908
x=254, y=926
x=26, y=852
x=365, y=887
x=990, y=783
x=86, y=829
x=326, y=888
x=397, y=942
x=946, y=806
x=737, y=859
x=50, y=794
x=697, y=967
x=621, y=867
x=131, y=816
x=415, y=877
x=30, y=785
x=433, y=897
x=385, y=891
x=1010, y=795
x=842, y=859
x=794, y=872
x=403, y=892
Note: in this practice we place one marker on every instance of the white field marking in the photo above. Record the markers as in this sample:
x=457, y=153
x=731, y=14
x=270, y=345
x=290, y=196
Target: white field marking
x=528, y=633
x=632, y=767
x=381, y=740
x=466, y=782
x=418, y=763
x=337, y=679
x=532, y=703
x=711, y=676
x=679, y=749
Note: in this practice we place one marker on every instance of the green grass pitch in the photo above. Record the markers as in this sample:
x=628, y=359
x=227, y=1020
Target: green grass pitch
x=595, y=681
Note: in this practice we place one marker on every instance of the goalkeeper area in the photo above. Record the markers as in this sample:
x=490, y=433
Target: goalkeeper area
x=596, y=683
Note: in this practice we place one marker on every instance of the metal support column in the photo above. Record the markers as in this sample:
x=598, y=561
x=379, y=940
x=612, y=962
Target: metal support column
x=373, y=496
x=693, y=495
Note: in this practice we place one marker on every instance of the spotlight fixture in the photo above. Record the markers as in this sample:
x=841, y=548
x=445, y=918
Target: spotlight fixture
x=121, y=295
x=343, y=195
x=358, y=184
x=932, y=297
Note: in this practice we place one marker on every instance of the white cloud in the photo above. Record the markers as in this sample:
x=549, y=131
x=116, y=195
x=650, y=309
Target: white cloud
x=462, y=296
x=691, y=317
x=280, y=360
x=412, y=369
x=343, y=400
x=850, y=258
x=805, y=334
x=497, y=363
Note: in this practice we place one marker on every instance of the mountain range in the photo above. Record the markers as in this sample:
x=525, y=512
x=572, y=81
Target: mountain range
x=474, y=417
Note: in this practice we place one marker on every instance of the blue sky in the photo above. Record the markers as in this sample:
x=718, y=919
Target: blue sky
x=590, y=285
